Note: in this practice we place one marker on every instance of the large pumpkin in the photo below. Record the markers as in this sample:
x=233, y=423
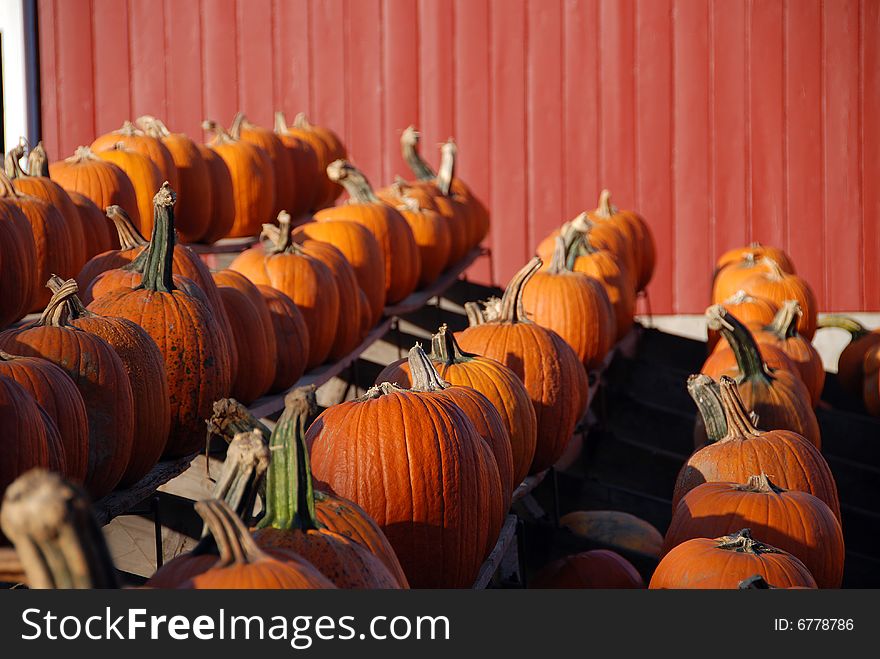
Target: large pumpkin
x=306, y=173
x=291, y=336
x=434, y=516
x=291, y=522
x=395, y=238
x=282, y=165
x=101, y=181
x=195, y=351
x=638, y=235
x=362, y=251
x=100, y=376
x=99, y=236
x=327, y=147
x=744, y=450
x=146, y=373
x=283, y=264
x=796, y=522
x=574, y=306
x=778, y=397
x=58, y=396
x=850, y=362
x=725, y=561
x=195, y=199
x=222, y=203
x=500, y=385
x=24, y=439
x=144, y=143
x=144, y=176
x=18, y=263
x=51, y=237
x=598, y=568
x=551, y=371
x=253, y=180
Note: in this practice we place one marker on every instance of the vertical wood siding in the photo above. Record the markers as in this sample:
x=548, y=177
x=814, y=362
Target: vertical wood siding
x=722, y=121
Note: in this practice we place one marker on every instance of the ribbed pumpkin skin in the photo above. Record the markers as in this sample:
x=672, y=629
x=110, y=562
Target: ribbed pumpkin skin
x=98, y=234
x=577, y=308
x=291, y=338
x=350, y=520
x=346, y=563
x=433, y=516
x=100, y=376
x=794, y=521
x=732, y=278
x=282, y=165
x=253, y=186
x=145, y=179
x=255, y=346
x=396, y=243
x=151, y=147
x=282, y=571
x=785, y=406
x=362, y=251
x=328, y=148
x=195, y=210
x=604, y=267
x=638, y=237
x=145, y=368
x=52, y=193
x=18, y=263
x=599, y=568
x=306, y=281
x=551, y=372
x=222, y=200
x=698, y=563
x=433, y=239
x=57, y=394
x=781, y=286
x=304, y=172
x=755, y=252
x=99, y=180
x=23, y=442
x=794, y=464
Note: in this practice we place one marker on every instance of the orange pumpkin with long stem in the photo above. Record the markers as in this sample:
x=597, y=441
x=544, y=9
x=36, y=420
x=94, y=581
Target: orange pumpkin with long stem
x=282, y=166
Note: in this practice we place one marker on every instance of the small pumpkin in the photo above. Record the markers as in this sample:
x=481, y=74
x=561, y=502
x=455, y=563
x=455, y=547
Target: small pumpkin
x=749, y=310
x=327, y=147
x=550, y=370
x=144, y=143
x=796, y=522
x=282, y=165
x=744, y=450
x=727, y=560
x=222, y=203
x=253, y=180
x=18, y=263
x=616, y=529
x=850, y=362
x=638, y=235
x=291, y=337
x=598, y=568
x=395, y=238
x=285, y=265
x=195, y=351
x=773, y=283
x=100, y=376
x=305, y=170
x=574, y=306
x=755, y=251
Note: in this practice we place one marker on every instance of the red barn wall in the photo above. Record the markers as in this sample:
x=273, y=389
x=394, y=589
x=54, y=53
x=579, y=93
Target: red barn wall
x=722, y=121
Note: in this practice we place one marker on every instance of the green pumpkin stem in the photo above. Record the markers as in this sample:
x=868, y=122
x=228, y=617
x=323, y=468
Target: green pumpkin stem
x=784, y=323
x=739, y=421
x=446, y=173
x=409, y=147
x=742, y=542
x=423, y=375
x=748, y=356
x=444, y=348
x=511, y=303
x=851, y=325
x=158, y=269
x=290, y=496
x=707, y=396
x=55, y=533
x=354, y=181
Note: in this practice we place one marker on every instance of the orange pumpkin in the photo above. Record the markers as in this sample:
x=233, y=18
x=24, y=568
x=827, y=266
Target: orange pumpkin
x=598, y=568
x=222, y=203
x=144, y=176
x=305, y=170
x=774, y=284
x=749, y=310
x=291, y=337
x=98, y=234
x=282, y=165
x=755, y=252
x=433, y=238
x=150, y=146
x=18, y=263
x=327, y=147
x=638, y=235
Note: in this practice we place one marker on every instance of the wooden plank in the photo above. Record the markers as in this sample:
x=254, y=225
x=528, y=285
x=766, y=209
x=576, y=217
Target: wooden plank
x=417, y=300
x=654, y=121
x=506, y=541
x=843, y=259
x=255, y=61
x=183, y=106
x=870, y=144
x=766, y=119
x=146, y=55
x=803, y=81
x=112, y=70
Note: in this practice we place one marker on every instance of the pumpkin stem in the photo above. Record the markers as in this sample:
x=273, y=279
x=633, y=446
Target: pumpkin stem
x=707, y=396
x=446, y=173
x=379, y=390
x=748, y=356
x=474, y=314
x=234, y=542
x=128, y=129
x=784, y=323
x=290, y=496
x=605, y=209
x=774, y=272
x=559, y=260
x=281, y=123
x=851, y=325
x=12, y=163
x=353, y=180
x=301, y=122
x=220, y=134
x=231, y=418
x=247, y=460
x=152, y=126
x=444, y=347
x=423, y=375
x=158, y=275
x=279, y=239
x=739, y=421
x=238, y=121
x=56, y=312
x=409, y=147
x=511, y=303
x=75, y=307
x=755, y=582
x=82, y=154
x=760, y=484
x=743, y=543
x=38, y=161
x=738, y=298
x=129, y=236
x=55, y=533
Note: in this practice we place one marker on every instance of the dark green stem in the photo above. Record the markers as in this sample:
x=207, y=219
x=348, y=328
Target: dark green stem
x=158, y=270
x=745, y=349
